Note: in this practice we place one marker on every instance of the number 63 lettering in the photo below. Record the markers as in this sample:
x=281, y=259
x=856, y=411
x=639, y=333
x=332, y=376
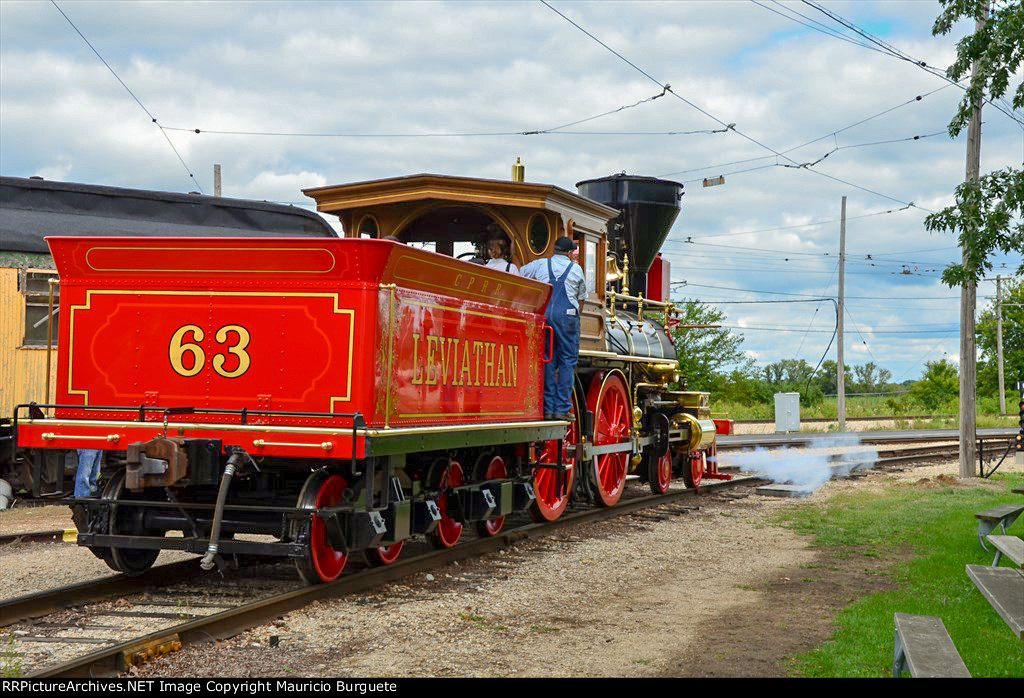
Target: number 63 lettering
x=178, y=348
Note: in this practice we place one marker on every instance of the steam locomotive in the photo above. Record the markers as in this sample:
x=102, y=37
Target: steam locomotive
x=342, y=395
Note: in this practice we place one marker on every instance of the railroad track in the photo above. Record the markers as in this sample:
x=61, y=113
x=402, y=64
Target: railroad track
x=223, y=617
x=216, y=619
x=55, y=536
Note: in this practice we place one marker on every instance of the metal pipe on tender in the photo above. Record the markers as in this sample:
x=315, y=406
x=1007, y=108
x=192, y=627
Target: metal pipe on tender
x=237, y=454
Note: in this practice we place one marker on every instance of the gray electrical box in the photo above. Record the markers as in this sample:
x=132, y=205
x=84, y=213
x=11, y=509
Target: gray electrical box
x=787, y=412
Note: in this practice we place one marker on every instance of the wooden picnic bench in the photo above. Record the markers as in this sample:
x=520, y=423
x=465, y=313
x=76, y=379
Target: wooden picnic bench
x=1002, y=516
x=1010, y=546
x=1004, y=589
x=923, y=647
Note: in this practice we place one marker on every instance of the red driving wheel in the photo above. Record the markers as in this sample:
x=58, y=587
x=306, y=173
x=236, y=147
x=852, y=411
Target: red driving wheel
x=659, y=472
x=608, y=400
x=693, y=474
x=551, y=502
x=491, y=468
x=443, y=475
x=321, y=563
x=385, y=554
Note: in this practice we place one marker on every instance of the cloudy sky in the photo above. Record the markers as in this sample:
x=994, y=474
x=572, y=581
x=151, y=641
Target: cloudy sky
x=377, y=70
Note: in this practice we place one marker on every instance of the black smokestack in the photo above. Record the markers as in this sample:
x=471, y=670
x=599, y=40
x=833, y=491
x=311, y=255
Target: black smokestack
x=648, y=207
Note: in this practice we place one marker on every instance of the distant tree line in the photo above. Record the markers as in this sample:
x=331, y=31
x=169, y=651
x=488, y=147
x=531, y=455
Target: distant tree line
x=712, y=359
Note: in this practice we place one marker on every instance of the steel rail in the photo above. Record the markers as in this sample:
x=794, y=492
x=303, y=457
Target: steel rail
x=32, y=537
x=45, y=602
x=115, y=659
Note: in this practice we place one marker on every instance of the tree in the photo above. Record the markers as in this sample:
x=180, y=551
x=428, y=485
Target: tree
x=794, y=376
x=866, y=379
x=704, y=352
x=987, y=213
x=1013, y=341
x=939, y=384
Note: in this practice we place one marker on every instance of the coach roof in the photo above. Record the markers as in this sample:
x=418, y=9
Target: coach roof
x=31, y=209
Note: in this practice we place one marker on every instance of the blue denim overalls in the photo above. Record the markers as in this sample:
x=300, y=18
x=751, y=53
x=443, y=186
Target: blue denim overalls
x=565, y=320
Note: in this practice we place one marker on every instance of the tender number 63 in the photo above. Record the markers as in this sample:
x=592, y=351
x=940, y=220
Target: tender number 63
x=178, y=348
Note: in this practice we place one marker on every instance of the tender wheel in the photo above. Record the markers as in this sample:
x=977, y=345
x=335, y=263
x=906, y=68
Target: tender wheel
x=385, y=554
x=608, y=400
x=442, y=475
x=126, y=521
x=659, y=472
x=321, y=562
x=693, y=469
x=490, y=467
x=550, y=503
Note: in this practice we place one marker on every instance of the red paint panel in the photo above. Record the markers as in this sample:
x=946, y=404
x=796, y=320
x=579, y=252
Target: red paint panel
x=211, y=349
x=456, y=361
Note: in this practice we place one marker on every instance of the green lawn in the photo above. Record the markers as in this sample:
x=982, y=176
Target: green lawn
x=938, y=528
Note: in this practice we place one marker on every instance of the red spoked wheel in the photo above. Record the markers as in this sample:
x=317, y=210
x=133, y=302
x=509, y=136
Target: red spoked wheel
x=490, y=468
x=385, y=554
x=321, y=562
x=551, y=502
x=608, y=400
x=693, y=469
x=659, y=472
x=443, y=475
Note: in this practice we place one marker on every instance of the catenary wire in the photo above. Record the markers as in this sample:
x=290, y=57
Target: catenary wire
x=134, y=97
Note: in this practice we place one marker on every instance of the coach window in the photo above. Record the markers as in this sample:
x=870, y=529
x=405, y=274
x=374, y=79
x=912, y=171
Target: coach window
x=35, y=286
x=368, y=228
x=539, y=234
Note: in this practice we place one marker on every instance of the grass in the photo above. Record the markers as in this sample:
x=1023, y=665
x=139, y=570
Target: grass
x=10, y=660
x=938, y=527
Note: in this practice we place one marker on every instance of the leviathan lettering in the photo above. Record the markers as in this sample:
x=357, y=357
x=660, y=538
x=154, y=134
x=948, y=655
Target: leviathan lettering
x=438, y=360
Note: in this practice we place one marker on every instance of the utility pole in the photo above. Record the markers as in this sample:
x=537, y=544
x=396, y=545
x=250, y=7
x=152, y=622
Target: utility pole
x=216, y=180
x=999, y=343
x=840, y=370
x=968, y=298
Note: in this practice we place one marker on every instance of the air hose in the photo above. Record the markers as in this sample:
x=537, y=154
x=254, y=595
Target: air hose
x=236, y=457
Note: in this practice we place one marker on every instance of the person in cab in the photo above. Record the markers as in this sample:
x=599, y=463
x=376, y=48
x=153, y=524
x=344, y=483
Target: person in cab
x=563, y=314
x=499, y=257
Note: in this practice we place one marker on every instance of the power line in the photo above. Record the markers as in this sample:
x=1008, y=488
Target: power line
x=916, y=98
x=802, y=225
x=903, y=56
x=137, y=100
x=825, y=30
x=727, y=126
x=783, y=293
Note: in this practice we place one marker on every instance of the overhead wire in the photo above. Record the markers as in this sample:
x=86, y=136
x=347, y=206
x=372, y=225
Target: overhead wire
x=903, y=56
x=134, y=97
x=727, y=126
x=554, y=130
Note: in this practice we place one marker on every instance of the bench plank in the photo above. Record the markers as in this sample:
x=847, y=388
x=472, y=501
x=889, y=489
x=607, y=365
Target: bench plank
x=1004, y=589
x=924, y=648
x=1002, y=516
x=1000, y=512
x=1010, y=546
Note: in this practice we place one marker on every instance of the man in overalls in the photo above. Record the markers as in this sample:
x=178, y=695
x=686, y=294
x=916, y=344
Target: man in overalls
x=563, y=314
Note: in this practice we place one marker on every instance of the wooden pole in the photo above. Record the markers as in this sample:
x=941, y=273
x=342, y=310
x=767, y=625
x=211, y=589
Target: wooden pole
x=840, y=369
x=999, y=343
x=216, y=180
x=968, y=300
